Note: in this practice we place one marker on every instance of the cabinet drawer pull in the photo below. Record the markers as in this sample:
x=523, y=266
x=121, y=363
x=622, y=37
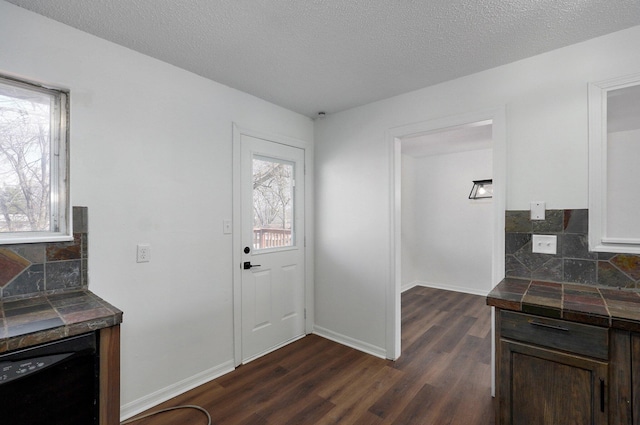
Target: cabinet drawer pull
x=546, y=325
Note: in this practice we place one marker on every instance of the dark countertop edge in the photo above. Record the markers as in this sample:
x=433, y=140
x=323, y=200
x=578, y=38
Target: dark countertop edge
x=89, y=323
x=508, y=300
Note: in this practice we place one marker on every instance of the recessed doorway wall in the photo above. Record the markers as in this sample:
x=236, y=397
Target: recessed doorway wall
x=394, y=137
x=446, y=238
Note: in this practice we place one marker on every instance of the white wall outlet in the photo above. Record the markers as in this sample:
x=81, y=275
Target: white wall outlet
x=545, y=244
x=144, y=253
x=537, y=210
x=226, y=227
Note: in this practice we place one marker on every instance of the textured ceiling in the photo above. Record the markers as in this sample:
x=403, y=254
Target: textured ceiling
x=330, y=55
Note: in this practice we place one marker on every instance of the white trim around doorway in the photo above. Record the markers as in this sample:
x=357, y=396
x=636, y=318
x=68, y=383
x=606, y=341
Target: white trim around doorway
x=393, y=137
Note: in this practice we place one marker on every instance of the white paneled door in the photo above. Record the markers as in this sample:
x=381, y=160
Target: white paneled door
x=272, y=190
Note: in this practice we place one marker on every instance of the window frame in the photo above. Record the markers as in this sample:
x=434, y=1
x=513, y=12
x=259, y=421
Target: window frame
x=293, y=230
x=61, y=219
x=599, y=241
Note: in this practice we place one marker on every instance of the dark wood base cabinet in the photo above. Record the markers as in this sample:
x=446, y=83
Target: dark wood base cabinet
x=556, y=372
x=109, y=407
x=550, y=387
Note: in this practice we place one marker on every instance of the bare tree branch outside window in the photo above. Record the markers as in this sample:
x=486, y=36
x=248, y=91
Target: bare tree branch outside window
x=272, y=203
x=25, y=127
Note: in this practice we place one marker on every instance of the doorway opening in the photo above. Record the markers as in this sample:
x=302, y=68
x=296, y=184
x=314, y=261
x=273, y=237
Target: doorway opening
x=446, y=238
x=498, y=157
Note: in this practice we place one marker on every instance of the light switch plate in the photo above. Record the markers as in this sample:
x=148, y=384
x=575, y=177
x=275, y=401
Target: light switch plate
x=538, y=210
x=226, y=227
x=545, y=244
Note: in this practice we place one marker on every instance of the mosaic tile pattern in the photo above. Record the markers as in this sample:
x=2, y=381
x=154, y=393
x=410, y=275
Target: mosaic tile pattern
x=27, y=270
x=11, y=265
x=600, y=306
x=30, y=321
x=543, y=298
x=584, y=304
x=573, y=263
x=508, y=294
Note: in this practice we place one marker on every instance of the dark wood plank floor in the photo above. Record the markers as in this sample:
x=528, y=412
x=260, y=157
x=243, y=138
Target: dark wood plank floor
x=442, y=378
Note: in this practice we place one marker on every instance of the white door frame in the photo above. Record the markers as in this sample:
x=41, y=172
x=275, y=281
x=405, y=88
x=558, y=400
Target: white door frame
x=238, y=131
x=393, y=136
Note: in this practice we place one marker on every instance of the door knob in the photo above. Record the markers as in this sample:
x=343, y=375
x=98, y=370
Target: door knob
x=247, y=265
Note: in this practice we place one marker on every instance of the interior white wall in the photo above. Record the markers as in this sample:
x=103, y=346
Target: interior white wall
x=151, y=157
x=450, y=236
x=546, y=131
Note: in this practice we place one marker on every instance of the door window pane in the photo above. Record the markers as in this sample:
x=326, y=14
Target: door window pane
x=273, y=200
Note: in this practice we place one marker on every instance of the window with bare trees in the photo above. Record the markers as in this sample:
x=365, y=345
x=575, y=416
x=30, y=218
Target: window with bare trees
x=273, y=192
x=33, y=163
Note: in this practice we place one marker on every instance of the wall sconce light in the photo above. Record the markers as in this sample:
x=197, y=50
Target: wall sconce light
x=481, y=189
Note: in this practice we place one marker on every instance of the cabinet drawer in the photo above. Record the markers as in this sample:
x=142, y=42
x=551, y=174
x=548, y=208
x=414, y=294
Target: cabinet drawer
x=573, y=337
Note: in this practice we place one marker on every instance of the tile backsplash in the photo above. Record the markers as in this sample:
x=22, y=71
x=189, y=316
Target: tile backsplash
x=30, y=269
x=573, y=262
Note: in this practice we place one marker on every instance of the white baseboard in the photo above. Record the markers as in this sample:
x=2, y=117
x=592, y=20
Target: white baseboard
x=409, y=285
x=350, y=342
x=137, y=406
x=456, y=288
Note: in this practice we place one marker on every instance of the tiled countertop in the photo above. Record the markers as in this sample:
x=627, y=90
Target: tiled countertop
x=611, y=307
x=32, y=321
